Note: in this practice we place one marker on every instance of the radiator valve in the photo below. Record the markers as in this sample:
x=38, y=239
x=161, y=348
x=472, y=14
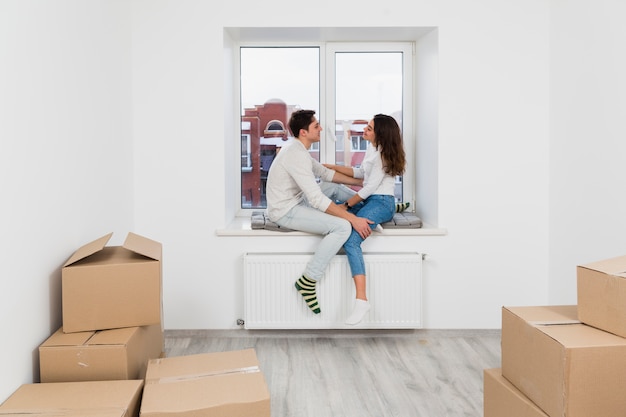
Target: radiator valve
x=240, y=322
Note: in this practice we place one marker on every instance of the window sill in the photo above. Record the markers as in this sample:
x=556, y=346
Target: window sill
x=241, y=226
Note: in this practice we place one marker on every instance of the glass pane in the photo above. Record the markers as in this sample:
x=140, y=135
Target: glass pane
x=367, y=83
x=275, y=81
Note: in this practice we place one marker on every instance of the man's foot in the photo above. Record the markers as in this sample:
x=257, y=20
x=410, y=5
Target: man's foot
x=361, y=307
x=306, y=288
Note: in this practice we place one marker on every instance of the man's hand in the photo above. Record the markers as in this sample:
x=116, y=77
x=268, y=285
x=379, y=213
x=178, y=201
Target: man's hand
x=362, y=226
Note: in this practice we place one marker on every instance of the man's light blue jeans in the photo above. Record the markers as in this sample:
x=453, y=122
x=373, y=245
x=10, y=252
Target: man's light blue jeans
x=334, y=230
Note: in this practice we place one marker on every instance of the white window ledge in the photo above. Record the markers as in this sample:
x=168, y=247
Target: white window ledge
x=241, y=226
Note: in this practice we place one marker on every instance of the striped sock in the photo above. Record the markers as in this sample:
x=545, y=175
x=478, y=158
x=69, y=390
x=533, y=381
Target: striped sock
x=306, y=288
x=400, y=207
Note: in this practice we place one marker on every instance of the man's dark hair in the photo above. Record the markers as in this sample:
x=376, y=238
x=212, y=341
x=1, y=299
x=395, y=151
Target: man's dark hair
x=300, y=119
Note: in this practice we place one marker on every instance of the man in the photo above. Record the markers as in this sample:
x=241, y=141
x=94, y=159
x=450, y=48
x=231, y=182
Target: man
x=296, y=201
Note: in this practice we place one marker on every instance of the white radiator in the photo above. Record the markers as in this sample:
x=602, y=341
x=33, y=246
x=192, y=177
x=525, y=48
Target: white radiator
x=394, y=289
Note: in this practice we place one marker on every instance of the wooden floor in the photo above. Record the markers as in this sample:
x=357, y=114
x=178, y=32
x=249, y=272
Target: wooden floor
x=361, y=373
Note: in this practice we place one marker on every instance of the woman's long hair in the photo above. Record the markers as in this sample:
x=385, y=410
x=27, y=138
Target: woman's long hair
x=389, y=143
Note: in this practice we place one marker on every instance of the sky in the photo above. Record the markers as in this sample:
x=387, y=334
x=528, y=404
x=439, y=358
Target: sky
x=367, y=83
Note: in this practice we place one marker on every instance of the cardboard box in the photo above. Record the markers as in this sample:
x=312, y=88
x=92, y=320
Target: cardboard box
x=112, y=287
x=206, y=385
x=567, y=368
x=101, y=355
x=86, y=399
x=502, y=399
x=602, y=294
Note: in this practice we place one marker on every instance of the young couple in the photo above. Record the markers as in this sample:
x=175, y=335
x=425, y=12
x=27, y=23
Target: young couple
x=296, y=201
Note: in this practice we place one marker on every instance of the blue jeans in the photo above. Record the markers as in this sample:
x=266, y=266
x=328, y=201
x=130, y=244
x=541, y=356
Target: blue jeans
x=380, y=209
x=334, y=230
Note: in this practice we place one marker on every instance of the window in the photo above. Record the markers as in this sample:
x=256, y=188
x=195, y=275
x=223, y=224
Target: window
x=345, y=83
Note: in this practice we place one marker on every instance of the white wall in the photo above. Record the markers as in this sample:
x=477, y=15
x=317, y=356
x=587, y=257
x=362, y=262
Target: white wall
x=65, y=158
x=117, y=116
x=588, y=139
x=493, y=127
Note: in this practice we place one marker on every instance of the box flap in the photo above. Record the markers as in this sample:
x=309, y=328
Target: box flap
x=582, y=336
x=59, y=338
x=119, y=336
x=89, y=249
x=613, y=266
x=560, y=323
x=143, y=246
x=547, y=315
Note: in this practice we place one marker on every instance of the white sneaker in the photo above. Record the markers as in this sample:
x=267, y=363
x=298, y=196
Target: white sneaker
x=361, y=307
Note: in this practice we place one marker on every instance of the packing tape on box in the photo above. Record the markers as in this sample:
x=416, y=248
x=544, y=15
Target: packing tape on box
x=553, y=322
x=187, y=377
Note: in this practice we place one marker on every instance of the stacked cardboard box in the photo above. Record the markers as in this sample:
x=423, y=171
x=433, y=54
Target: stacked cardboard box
x=99, y=355
x=602, y=294
x=75, y=399
x=95, y=363
x=565, y=361
x=112, y=339
x=108, y=287
x=206, y=385
x=112, y=315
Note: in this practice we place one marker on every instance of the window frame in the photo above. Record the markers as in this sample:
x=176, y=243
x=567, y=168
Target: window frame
x=326, y=112
x=248, y=167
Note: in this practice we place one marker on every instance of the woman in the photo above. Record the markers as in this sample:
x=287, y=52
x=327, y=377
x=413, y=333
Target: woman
x=384, y=160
